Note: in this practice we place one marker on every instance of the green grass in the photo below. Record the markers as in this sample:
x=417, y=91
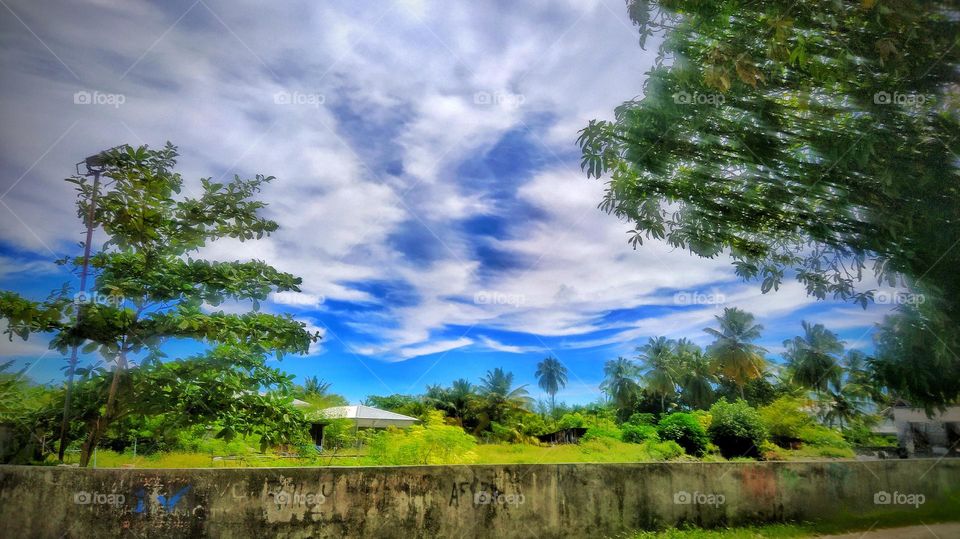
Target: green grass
x=946, y=511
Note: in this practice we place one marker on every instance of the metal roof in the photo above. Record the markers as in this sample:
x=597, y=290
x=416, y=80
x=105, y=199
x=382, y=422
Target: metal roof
x=364, y=412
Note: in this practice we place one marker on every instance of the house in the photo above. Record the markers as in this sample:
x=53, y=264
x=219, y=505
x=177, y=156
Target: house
x=362, y=417
x=923, y=436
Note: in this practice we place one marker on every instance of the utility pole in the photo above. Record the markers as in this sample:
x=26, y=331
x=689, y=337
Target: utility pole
x=95, y=165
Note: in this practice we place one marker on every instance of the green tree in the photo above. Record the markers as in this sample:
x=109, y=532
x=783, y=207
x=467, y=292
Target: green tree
x=314, y=386
x=551, y=377
x=813, y=359
x=697, y=375
x=733, y=353
x=157, y=288
x=498, y=397
x=815, y=138
x=456, y=401
x=620, y=383
x=659, y=372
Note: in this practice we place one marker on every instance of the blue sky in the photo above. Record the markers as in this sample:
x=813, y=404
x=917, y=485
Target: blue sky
x=428, y=188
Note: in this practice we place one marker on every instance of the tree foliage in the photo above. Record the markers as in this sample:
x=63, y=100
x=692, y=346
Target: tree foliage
x=817, y=139
x=159, y=291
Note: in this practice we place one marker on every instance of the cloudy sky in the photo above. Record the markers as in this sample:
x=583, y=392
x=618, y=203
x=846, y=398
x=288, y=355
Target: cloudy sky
x=428, y=187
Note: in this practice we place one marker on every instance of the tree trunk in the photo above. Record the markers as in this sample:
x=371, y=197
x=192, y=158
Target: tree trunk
x=109, y=414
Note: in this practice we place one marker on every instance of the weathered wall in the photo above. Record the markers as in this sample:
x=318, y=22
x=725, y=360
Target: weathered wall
x=567, y=500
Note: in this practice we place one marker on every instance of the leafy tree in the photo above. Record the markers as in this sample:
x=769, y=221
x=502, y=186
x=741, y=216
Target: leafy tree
x=737, y=429
x=620, y=383
x=815, y=138
x=659, y=368
x=733, y=353
x=551, y=377
x=916, y=357
x=813, y=359
x=843, y=403
x=158, y=287
x=684, y=429
x=785, y=419
x=410, y=405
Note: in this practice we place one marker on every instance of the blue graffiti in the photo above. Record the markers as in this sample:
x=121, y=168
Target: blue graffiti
x=167, y=503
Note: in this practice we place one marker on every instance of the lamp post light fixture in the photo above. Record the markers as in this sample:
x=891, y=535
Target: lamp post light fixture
x=94, y=166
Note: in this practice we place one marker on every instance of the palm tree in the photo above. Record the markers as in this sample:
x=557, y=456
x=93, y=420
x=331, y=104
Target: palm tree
x=733, y=353
x=697, y=375
x=658, y=358
x=843, y=403
x=499, y=397
x=813, y=359
x=551, y=377
x=314, y=386
x=620, y=382
x=455, y=400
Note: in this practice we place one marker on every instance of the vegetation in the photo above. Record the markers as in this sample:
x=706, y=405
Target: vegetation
x=736, y=428
x=157, y=292
x=802, y=145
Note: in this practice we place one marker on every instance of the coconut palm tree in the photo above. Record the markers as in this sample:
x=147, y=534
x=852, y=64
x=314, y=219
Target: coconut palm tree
x=620, y=383
x=733, y=353
x=696, y=375
x=659, y=368
x=499, y=397
x=813, y=359
x=455, y=400
x=551, y=377
x=843, y=402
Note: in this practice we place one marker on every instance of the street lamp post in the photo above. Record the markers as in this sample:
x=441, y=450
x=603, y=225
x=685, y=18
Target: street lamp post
x=95, y=165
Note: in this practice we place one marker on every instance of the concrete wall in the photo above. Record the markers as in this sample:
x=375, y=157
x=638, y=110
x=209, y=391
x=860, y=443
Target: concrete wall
x=566, y=500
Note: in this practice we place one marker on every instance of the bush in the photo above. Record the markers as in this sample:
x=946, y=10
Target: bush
x=784, y=419
x=568, y=421
x=684, y=429
x=668, y=450
x=600, y=427
x=640, y=418
x=434, y=443
x=636, y=434
x=737, y=429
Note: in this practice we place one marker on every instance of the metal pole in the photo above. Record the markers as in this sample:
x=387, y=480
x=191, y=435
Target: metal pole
x=91, y=212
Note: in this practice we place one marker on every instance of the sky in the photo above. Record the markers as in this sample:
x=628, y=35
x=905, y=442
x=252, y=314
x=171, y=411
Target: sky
x=428, y=188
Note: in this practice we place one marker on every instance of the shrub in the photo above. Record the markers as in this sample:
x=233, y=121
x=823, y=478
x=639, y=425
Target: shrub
x=636, y=434
x=434, y=443
x=600, y=427
x=784, y=419
x=570, y=421
x=668, y=450
x=684, y=429
x=641, y=418
x=737, y=429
